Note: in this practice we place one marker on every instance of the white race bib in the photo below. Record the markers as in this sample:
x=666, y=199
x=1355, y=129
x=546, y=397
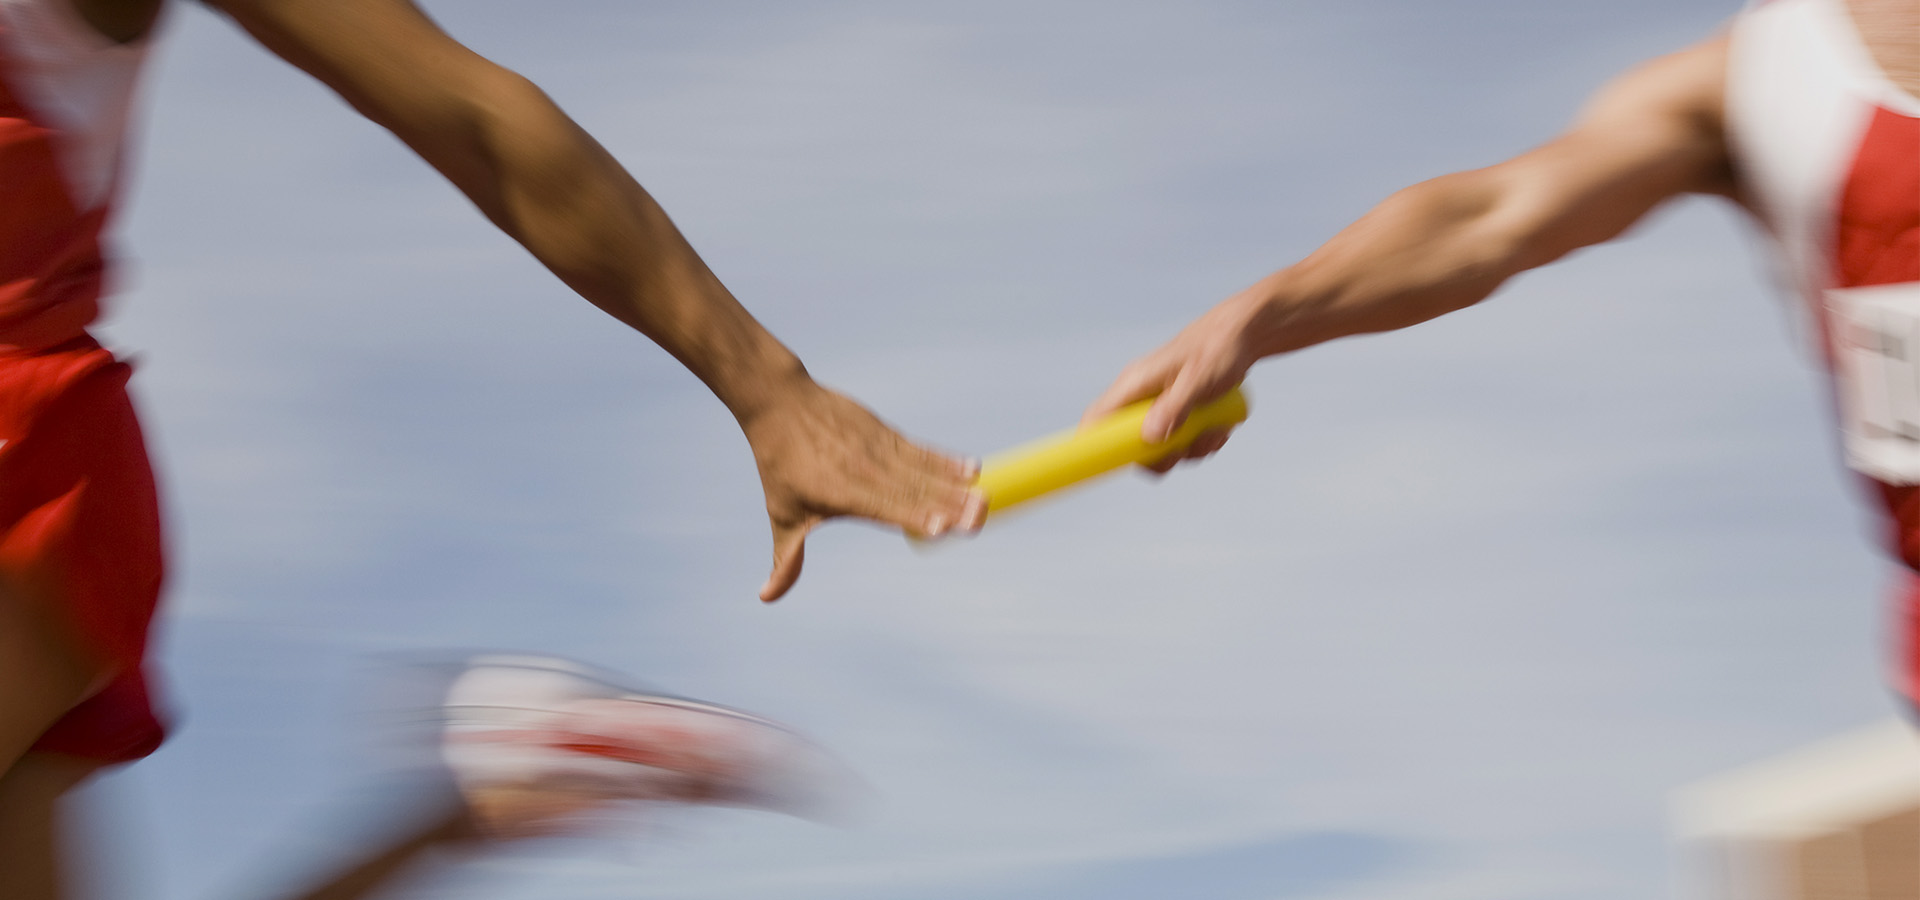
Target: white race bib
x=1876, y=338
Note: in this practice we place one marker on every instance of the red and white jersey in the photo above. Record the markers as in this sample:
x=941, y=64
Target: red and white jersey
x=66, y=95
x=1828, y=149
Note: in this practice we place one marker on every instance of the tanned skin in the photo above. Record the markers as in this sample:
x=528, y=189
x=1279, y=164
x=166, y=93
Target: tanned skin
x=1653, y=134
x=544, y=181
x=1445, y=244
x=549, y=185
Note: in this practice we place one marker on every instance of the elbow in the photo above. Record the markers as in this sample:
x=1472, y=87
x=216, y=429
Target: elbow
x=478, y=128
x=517, y=126
x=1484, y=211
x=519, y=158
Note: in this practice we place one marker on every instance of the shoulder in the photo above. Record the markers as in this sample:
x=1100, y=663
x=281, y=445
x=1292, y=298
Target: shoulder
x=1687, y=87
x=1676, y=102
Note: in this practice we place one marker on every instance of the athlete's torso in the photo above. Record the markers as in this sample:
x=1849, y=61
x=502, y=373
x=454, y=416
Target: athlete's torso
x=1824, y=128
x=66, y=95
x=1828, y=150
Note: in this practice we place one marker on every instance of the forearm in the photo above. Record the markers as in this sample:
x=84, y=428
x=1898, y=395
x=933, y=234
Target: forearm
x=545, y=182
x=1447, y=243
x=536, y=174
x=1450, y=242
x=1427, y=250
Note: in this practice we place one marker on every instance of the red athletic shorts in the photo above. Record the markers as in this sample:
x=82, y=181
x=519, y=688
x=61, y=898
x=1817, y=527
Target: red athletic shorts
x=80, y=527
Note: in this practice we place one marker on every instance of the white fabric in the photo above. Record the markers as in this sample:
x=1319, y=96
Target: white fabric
x=510, y=720
x=80, y=81
x=1797, y=106
x=1802, y=89
x=1879, y=361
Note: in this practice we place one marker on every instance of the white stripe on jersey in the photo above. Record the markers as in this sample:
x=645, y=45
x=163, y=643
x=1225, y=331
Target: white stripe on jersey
x=1797, y=106
x=77, y=79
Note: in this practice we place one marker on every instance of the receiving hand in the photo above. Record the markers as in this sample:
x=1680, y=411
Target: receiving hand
x=1204, y=361
x=822, y=456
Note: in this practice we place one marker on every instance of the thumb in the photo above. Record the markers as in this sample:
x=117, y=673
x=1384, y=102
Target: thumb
x=1133, y=384
x=789, y=551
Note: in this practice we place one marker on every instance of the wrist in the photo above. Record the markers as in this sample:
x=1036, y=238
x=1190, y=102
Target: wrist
x=1258, y=318
x=1280, y=314
x=752, y=393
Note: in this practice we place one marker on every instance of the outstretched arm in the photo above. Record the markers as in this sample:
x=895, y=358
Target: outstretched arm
x=1447, y=243
x=543, y=180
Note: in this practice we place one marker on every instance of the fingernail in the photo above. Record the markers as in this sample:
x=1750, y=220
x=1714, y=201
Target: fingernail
x=936, y=526
x=973, y=467
x=975, y=514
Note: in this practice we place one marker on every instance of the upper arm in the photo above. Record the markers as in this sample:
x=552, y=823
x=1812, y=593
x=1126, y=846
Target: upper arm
x=1649, y=135
x=471, y=119
x=395, y=66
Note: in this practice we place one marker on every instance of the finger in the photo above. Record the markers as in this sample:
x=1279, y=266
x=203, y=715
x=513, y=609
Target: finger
x=947, y=503
x=1206, y=444
x=1137, y=382
x=974, y=514
x=789, y=551
x=973, y=501
x=942, y=466
x=922, y=491
x=949, y=472
x=1165, y=462
x=1209, y=442
x=1171, y=408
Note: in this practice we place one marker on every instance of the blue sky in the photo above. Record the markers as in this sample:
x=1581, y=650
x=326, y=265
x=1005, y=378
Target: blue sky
x=1449, y=618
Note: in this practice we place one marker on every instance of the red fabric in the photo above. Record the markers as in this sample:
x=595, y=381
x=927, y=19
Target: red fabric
x=1907, y=641
x=78, y=517
x=1877, y=236
x=80, y=527
x=1877, y=241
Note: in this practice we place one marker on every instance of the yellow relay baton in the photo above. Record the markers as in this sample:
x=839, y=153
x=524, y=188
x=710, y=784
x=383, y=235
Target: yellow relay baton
x=1060, y=460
